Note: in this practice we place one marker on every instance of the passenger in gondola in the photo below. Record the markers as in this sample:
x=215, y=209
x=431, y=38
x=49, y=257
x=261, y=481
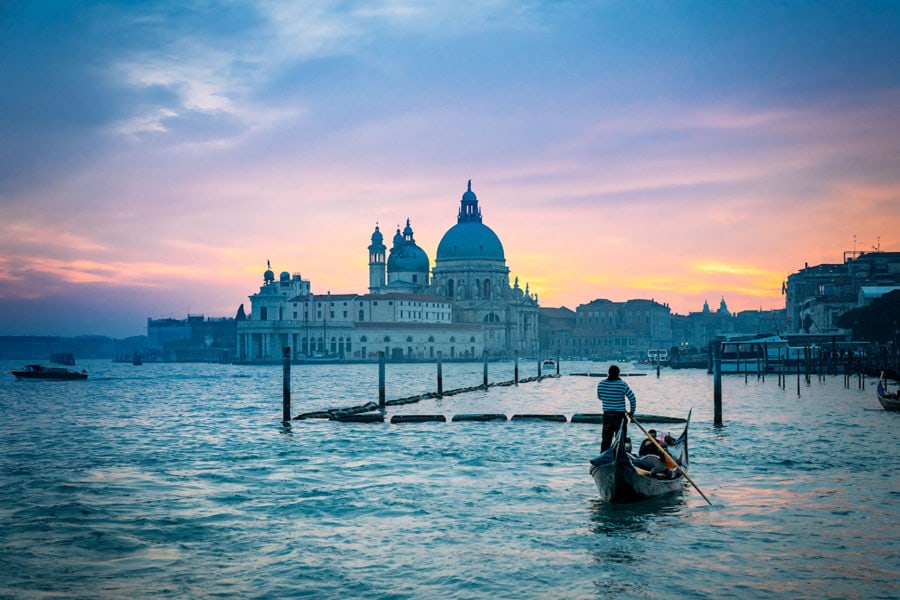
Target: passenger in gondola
x=648, y=447
x=650, y=458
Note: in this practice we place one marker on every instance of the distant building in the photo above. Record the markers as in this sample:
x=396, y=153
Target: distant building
x=462, y=308
x=194, y=339
x=556, y=330
x=868, y=293
x=617, y=330
x=817, y=295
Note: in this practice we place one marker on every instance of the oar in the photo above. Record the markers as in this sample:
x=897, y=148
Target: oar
x=664, y=451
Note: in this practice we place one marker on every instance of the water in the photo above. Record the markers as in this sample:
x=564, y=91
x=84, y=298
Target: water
x=178, y=481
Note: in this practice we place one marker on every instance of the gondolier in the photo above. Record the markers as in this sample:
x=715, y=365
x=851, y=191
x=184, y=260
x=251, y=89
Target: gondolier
x=612, y=393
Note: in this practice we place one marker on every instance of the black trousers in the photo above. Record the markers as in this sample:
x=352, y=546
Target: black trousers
x=611, y=423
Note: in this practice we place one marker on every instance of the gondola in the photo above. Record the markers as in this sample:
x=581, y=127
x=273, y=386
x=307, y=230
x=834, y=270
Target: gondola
x=889, y=401
x=619, y=479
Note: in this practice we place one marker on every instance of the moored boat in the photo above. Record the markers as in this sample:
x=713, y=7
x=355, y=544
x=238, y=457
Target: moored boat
x=621, y=477
x=889, y=400
x=42, y=372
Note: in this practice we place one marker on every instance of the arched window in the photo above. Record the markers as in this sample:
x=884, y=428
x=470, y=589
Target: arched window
x=487, y=288
x=452, y=339
x=431, y=338
x=408, y=338
x=363, y=339
x=387, y=338
x=449, y=292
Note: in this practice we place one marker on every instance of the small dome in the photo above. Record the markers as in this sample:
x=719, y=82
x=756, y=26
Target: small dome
x=408, y=259
x=269, y=276
x=377, y=238
x=285, y=276
x=406, y=255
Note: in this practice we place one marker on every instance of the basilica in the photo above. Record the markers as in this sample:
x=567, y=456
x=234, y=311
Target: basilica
x=461, y=308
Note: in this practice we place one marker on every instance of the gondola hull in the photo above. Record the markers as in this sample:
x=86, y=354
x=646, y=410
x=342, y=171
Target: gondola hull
x=619, y=480
x=887, y=402
x=616, y=483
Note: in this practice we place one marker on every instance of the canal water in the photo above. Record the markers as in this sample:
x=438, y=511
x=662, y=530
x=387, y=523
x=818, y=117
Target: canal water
x=179, y=481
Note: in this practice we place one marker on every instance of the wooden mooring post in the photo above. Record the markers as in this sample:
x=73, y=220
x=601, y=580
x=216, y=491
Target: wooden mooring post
x=381, y=380
x=516, y=370
x=485, y=378
x=717, y=385
x=440, y=376
x=286, y=387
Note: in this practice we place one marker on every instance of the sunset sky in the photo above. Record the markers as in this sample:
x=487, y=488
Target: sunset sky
x=154, y=155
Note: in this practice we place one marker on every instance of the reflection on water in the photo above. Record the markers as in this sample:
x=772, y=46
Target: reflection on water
x=181, y=481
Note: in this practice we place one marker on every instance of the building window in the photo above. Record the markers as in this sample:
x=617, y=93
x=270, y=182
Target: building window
x=263, y=314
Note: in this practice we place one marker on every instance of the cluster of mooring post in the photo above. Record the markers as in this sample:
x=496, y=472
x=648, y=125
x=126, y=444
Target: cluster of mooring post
x=803, y=361
x=356, y=412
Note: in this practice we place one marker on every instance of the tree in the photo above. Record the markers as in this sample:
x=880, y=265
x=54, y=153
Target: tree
x=878, y=322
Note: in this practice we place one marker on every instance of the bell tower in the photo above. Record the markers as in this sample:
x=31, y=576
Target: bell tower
x=377, y=262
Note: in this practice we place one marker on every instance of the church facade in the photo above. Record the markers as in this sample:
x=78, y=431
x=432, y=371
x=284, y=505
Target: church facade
x=460, y=309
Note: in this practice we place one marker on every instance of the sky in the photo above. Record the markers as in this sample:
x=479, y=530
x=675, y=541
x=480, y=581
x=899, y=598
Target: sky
x=155, y=155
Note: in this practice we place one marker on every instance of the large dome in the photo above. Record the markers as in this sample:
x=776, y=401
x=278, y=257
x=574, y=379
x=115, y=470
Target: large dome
x=470, y=238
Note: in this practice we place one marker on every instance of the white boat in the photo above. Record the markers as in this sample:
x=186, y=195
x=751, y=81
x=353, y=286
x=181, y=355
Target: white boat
x=754, y=354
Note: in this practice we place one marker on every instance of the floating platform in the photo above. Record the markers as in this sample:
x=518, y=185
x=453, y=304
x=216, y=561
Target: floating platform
x=554, y=418
x=377, y=417
x=359, y=418
x=598, y=418
x=480, y=417
x=418, y=419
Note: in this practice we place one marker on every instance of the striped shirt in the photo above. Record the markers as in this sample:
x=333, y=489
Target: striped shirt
x=612, y=393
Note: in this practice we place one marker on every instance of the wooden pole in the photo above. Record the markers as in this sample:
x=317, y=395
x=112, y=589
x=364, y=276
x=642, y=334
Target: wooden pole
x=798, y=372
x=381, y=380
x=516, y=370
x=557, y=362
x=440, y=376
x=286, y=386
x=717, y=385
x=485, y=378
x=539, y=367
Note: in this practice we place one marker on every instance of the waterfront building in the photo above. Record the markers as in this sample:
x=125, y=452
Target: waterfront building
x=194, y=339
x=621, y=330
x=556, y=328
x=817, y=295
x=462, y=308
